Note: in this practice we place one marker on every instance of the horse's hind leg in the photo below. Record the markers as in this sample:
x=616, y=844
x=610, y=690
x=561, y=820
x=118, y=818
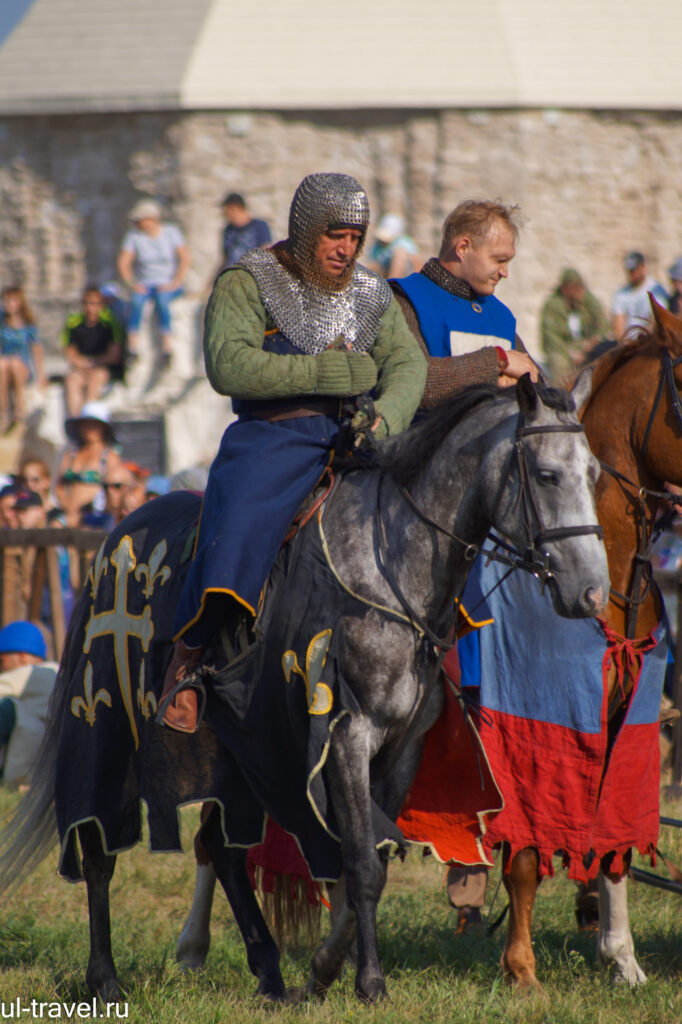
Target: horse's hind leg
x=98, y=868
x=615, y=945
x=229, y=863
x=521, y=883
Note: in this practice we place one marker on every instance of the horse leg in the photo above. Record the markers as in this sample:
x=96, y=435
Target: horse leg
x=615, y=946
x=521, y=883
x=262, y=953
x=365, y=873
x=328, y=961
x=195, y=937
x=98, y=868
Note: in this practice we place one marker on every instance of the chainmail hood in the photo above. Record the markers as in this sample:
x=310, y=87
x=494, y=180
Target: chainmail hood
x=313, y=318
x=322, y=201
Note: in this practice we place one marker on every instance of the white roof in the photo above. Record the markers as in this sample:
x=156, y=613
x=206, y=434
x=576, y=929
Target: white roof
x=113, y=55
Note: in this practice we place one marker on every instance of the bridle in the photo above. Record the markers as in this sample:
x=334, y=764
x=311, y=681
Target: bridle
x=642, y=558
x=533, y=561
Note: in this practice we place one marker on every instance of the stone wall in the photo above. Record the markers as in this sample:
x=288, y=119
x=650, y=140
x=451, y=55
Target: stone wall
x=590, y=185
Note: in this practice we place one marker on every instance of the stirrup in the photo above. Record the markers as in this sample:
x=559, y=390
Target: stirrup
x=192, y=682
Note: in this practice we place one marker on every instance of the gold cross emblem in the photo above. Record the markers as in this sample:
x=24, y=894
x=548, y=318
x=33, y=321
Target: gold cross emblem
x=122, y=624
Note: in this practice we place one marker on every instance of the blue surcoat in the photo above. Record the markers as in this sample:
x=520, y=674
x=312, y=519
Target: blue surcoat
x=454, y=326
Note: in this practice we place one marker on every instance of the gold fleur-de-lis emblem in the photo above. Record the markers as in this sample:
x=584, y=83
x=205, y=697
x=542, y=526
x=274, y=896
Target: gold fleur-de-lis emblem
x=320, y=698
x=153, y=570
x=89, y=703
x=146, y=701
x=97, y=570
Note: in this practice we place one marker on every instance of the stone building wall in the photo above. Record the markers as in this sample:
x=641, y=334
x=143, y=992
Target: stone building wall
x=591, y=186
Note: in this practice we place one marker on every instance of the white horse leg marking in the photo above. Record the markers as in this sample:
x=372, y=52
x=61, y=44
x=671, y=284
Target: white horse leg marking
x=192, y=948
x=615, y=945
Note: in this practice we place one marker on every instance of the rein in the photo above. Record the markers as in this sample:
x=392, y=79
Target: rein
x=642, y=557
x=536, y=533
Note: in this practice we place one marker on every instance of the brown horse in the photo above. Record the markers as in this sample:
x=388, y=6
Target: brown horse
x=633, y=421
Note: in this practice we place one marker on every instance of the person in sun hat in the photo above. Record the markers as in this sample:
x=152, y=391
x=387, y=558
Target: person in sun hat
x=26, y=683
x=153, y=262
x=393, y=253
x=91, y=454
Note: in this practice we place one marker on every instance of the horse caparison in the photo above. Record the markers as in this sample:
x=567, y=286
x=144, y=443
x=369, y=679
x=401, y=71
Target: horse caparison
x=643, y=443
x=467, y=482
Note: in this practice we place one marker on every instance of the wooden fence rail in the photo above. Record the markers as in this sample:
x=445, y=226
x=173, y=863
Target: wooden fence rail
x=31, y=575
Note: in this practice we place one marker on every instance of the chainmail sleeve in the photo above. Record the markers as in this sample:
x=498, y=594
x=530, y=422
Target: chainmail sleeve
x=446, y=376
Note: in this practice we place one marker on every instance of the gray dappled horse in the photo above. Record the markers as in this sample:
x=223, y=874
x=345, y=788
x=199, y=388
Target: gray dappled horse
x=401, y=535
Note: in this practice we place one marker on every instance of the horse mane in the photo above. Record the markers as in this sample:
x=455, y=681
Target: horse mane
x=404, y=457
x=636, y=341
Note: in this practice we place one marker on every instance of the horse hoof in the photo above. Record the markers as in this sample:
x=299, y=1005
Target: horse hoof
x=296, y=995
x=315, y=989
x=372, y=991
x=108, y=990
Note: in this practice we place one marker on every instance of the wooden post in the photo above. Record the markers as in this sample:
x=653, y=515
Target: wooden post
x=54, y=584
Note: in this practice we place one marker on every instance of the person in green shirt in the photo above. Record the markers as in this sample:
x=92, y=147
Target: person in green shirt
x=292, y=333
x=572, y=321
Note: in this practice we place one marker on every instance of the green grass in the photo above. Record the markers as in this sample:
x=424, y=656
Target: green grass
x=433, y=976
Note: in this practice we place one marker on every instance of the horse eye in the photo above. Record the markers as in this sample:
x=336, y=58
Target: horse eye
x=548, y=477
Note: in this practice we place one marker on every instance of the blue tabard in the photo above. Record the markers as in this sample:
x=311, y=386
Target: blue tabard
x=260, y=477
x=452, y=326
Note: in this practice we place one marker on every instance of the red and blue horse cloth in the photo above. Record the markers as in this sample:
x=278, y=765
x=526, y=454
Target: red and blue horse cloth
x=543, y=722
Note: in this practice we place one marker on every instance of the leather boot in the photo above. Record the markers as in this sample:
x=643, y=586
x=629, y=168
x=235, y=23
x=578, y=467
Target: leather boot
x=181, y=713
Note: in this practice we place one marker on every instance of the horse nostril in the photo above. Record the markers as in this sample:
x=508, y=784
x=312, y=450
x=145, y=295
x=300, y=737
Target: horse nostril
x=594, y=598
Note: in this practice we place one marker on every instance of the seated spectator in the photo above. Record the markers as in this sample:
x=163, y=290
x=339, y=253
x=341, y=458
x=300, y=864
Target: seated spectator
x=34, y=473
x=630, y=307
x=675, y=275
x=156, y=487
x=32, y=515
x=394, y=253
x=571, y=322
x=116, y=482
x=26, y=683
x=8, y=500
x=134, y=496
x=153, y=262
x=93, y=345
x=86, y=462
x=21, y=356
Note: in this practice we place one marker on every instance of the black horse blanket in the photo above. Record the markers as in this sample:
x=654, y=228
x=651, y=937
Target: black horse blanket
x=270, y=714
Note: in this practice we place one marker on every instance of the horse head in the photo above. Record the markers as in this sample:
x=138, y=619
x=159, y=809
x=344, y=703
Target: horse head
x=547, y=505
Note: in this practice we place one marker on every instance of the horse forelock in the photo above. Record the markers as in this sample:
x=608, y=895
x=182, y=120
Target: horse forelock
x=404, y=457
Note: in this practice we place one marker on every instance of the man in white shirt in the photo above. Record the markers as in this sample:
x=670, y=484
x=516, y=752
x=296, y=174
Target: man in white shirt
x=630, y=307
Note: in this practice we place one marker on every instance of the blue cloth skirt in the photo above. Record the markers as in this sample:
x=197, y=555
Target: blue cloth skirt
x=261, y=475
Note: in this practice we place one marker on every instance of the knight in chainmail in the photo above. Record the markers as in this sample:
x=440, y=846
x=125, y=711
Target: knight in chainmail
x=291, y=334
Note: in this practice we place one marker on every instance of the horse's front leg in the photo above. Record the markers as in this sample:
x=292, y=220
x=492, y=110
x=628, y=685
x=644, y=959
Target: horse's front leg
x=521, y=883
x=365, y=871
x=615, y=946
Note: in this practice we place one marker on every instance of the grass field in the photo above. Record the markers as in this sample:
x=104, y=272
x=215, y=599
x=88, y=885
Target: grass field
x=432, y=975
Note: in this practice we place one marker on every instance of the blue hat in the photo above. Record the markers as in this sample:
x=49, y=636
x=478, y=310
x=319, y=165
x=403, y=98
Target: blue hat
x=22, y=638
x=158, y=485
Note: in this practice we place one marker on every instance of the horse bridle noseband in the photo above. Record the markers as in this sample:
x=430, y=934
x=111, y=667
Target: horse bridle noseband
x=642, y=557
x=535, y=563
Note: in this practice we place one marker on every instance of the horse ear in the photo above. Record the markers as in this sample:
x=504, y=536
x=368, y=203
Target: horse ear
x=527, y=396
x=669, y=325
x=582, y=388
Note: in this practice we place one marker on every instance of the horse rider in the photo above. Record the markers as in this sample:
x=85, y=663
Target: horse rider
x=290, y=333
x=468, y=337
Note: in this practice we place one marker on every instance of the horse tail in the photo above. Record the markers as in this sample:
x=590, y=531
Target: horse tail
x=31, y=832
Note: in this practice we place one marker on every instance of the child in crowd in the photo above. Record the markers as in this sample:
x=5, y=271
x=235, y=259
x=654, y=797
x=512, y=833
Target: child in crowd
x=21, y=356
